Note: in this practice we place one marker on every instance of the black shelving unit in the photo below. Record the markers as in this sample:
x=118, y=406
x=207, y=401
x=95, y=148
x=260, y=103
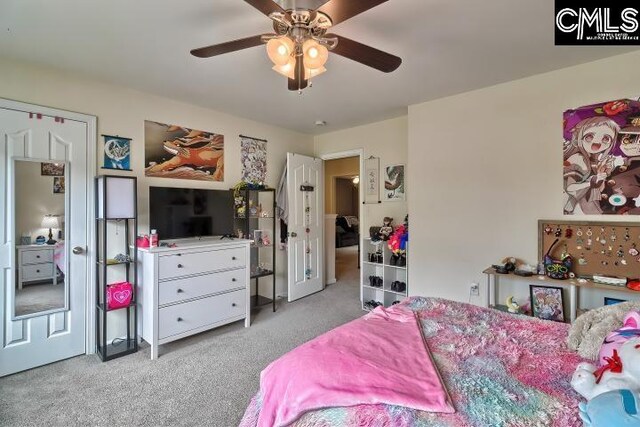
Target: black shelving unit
x=110, y=190
x=249, y=209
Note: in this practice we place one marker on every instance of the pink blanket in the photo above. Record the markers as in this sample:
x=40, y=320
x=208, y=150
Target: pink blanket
x=379, y=358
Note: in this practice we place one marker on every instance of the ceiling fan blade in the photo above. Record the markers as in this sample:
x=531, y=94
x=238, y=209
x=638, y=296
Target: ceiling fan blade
x=341, y=10
x=265, y=6
x=366, y=55
x=298, y=82
x=232, y=46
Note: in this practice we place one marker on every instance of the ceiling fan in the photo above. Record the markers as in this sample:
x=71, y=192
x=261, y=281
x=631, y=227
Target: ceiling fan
x=300, y=45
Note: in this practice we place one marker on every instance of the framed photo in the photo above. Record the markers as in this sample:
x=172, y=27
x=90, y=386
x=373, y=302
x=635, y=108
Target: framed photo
x=394, y=186
x=257, y=237
x=52, y=169
x=547, y=303
x=58, y=185
x=611, y=301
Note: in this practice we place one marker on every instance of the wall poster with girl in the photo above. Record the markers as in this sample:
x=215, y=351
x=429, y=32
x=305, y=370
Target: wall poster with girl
x=602, y=159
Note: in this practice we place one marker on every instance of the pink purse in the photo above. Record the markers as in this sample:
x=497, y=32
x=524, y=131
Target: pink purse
x=119, y=295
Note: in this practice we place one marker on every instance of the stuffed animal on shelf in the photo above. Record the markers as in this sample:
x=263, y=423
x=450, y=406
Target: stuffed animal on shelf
x=615, y=408
x=622, y=371
x=630, y=329
x=512, y=305
x=387, y=229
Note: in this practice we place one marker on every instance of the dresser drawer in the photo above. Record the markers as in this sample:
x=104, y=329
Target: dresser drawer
x=193, y=287
x=37, y=272
x=37, y=256
x=200, y=262
x=179, y=318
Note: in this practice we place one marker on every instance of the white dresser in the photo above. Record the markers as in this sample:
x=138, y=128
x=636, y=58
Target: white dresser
x=35, y=264
x=195, y=286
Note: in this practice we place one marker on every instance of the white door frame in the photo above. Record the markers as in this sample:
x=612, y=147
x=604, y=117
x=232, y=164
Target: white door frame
x=91, y=121
x=356, y=152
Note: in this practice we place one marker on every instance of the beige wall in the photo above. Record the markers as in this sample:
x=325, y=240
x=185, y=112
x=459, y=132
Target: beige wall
x=122, y=111
x=388, y=141
x=349, y=166
x=484, y=166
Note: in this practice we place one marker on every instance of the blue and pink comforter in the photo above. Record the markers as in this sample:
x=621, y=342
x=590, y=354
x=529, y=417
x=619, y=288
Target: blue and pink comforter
x=499, y=370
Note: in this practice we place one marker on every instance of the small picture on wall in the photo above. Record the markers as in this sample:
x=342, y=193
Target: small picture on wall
x=52, y=169
x=117, y=153
x=58, y=185
x=611, y=301
x=394, y=183
x=546, y=302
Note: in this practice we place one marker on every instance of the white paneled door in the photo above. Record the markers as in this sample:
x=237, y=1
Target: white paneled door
x=305, y=186
x=45, y=320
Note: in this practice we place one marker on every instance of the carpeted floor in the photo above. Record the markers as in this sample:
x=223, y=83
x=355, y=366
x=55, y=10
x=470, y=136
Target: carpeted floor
x=39, y=297
x=207, y=379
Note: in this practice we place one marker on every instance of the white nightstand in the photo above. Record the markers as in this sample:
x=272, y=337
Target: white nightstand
x=35, y=263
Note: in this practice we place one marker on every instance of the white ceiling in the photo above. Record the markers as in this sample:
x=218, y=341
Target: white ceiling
x=447, y=47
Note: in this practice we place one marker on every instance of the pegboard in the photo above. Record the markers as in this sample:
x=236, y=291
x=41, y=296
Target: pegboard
x=597, y=248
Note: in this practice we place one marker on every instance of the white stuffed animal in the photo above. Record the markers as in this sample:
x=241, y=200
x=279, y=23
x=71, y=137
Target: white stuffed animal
x=622, y=372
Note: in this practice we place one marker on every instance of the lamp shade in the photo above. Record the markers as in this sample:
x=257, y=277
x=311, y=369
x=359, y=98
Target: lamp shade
x=286, y=69
x=315, y=54
x=280, y=50
x=117, y=198
x=311, y=73
x=50, y=221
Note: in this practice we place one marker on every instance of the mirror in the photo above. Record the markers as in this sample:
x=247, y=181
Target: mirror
x=39, y=237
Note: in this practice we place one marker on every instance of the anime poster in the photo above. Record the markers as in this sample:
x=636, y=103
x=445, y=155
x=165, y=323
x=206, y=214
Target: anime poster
x=117, y=152
x=394, y=183
x=253, y=155
x=602, y=159
x=177, y=152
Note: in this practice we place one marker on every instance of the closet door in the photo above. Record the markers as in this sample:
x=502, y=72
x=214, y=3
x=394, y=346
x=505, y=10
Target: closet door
x=44, y=179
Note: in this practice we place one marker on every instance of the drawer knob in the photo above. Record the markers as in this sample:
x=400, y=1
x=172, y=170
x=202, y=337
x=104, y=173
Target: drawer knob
x=37, y=271
x=180, y=266
x=233, y=258
x=179, y=319
x=233, y=304
x=37, y=256
x=179, y=291
x=233, y=279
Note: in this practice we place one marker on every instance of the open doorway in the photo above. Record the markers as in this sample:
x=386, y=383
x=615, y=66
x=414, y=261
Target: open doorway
x=342, y=199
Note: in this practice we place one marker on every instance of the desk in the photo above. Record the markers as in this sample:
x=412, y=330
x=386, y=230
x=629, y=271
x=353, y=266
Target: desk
x=573, y=284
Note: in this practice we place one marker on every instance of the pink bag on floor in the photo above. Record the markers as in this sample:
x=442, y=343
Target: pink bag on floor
x=119, y=295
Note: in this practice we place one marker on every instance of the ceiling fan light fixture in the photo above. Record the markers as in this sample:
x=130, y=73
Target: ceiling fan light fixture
x=286, y=69
x=310, y=73
x=279, y=50
x=315, y=54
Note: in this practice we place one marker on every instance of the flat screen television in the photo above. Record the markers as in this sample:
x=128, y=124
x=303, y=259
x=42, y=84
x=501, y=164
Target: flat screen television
x=178, y=213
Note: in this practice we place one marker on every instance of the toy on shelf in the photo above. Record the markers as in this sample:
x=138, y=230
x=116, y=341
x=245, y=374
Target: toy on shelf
x=398, y=245
x=512, y=305
x=387, y=229
x=622, y=371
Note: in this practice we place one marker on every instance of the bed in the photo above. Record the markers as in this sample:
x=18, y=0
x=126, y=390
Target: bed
x=499, y=370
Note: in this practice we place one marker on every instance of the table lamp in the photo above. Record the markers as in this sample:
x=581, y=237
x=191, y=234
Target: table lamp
x=50, y=221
